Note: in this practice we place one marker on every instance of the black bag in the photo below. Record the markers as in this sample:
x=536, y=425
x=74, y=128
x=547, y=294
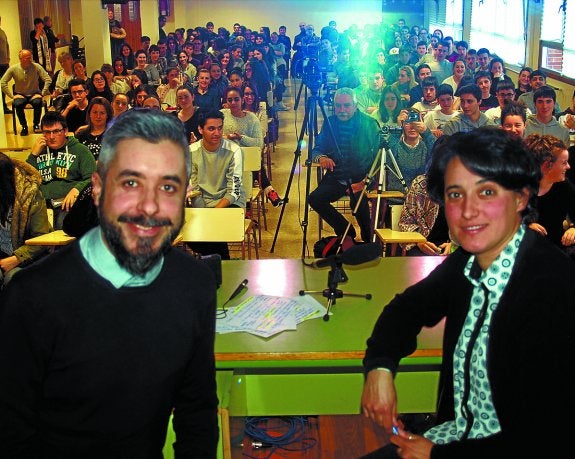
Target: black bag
x=327, y=246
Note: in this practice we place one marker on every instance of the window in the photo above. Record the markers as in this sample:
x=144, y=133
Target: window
x=500, y=27
x=558, y=40
x=448, y=17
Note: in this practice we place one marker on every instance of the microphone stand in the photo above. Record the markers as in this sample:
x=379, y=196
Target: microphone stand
x=335, y=276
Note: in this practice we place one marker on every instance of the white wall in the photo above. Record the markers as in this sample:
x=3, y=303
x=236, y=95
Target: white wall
x=273, y=13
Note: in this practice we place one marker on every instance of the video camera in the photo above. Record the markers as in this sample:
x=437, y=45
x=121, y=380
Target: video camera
x=386, y=132
x=312, y=75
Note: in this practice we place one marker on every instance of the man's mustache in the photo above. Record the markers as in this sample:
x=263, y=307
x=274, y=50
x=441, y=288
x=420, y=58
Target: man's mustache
x=145, y=221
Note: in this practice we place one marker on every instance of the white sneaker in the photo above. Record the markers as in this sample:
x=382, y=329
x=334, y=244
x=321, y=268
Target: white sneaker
x=281, y=107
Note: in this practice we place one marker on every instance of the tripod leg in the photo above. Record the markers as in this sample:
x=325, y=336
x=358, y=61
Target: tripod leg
x=297, y=155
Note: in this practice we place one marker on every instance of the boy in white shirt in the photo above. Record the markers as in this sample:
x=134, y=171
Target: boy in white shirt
x=435, y=119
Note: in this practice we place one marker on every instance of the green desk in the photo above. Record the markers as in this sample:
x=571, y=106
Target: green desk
x=316, y=369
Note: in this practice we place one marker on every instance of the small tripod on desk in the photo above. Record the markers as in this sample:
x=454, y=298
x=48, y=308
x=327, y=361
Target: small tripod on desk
x=334, y=277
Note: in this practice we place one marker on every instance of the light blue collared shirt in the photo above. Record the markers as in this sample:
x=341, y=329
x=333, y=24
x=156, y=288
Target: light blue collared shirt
x=103, y=261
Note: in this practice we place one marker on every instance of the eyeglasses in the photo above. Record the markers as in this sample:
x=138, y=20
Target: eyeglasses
x=78, y=92
x=98, y=80
x=233, y=99
x=53, y=131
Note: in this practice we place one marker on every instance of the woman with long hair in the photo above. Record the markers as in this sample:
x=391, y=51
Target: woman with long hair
x=226, y=63
x=188, y=112
x=498, y=73
x=458, y=73
x=99, y=86
x=151, y=71
x=556, y=196
x=523, y=82
x=389, y=108
x=23, y=215
x=244, y=127
x=404, y=83
x=218, y=81
x=98, y=114
x=188, y=70
x=127, y=56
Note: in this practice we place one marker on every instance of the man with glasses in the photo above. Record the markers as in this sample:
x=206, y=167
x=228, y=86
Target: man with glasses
x=26, y=76
x=75, y=111
x=65, y=165
x=505, y=92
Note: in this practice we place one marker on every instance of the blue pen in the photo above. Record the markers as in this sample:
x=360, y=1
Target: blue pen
x=395, y=430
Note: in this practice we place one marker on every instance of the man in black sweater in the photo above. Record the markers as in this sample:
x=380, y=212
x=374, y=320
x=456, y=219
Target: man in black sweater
x=108, y=337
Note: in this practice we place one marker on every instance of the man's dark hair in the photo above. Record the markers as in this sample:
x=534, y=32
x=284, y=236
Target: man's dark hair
x=429, y=82
x=463, y=44
x=38, y=21
x=444, y=89
x=144, y=38
x=204, y=116
x=52, y=118
x=154, y=48
x=153, y=126
x=107, y=68
x=483, y=51
x=77, y=82
x=482, y=74
x=472, y=89
x=503, y=85
x=472, y=52
x=421, y=43
x=513, y=108
x=538, y=72
x=209, y=24
x=544, y=92
x=490, y=153
x=421, y=66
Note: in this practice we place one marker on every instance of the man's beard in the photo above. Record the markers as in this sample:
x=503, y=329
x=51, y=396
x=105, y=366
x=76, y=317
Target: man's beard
x=145, y=257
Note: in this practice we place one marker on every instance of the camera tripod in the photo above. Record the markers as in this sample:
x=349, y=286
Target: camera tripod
x=309, y=125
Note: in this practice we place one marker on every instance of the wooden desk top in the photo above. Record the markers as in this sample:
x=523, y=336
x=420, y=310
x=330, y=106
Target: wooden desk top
x=388, y=235
x=344, y=336
x=57, y=237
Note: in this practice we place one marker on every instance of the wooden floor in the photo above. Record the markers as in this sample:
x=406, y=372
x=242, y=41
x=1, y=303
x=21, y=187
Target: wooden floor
x=324, y=437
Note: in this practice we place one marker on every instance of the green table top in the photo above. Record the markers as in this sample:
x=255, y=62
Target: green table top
x=341, y=340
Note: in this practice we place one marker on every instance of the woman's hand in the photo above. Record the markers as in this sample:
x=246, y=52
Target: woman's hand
x=539, y=228
x=9, y=263
x=411, y=446
x=379, y=399
x=70, y=199
x=568, y=238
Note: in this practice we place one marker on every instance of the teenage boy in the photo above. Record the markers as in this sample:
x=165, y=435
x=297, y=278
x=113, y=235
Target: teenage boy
x=488, y=100
x=543, y=122
x=470, y=117
x=435, y=119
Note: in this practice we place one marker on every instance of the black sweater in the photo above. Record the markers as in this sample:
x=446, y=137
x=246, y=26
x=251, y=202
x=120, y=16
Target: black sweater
x=531, y=345
x=93, y=371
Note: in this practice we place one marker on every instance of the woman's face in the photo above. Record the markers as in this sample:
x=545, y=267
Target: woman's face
x=249, y=72
x=141, y=60
x=215, y=72
x=459, y=69
x=136, y=81
x=236, y=81
x=79, y=69
x=525, y=78
x=249, y=97
x=225, y=60
x=203, y=80
x=172, y=45
x=258, y=55
x=390, y=102
x=126, y=51
x=398, y=42
x=185, y=98
x=380, y=58
x=99, y=82
x=514, y=124
x=481, y=214
x=140, y=96
x=497, y=69
x=67, y=64
x=119, y=67
x=234, y=101
x=555, y=172
x=98, y=116
x=403, y=77
x=183, y=58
